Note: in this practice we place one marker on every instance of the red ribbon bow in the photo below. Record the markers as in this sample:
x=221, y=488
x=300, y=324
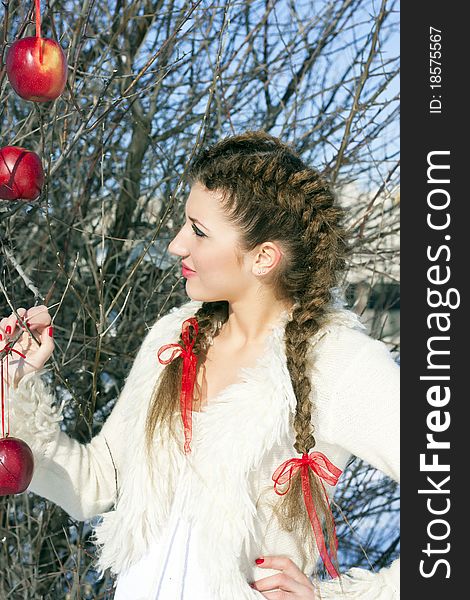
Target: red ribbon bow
x=326, y=471
x=6, y=349
x=189, y=374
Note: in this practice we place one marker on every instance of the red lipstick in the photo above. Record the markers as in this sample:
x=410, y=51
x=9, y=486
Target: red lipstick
x=187, y=272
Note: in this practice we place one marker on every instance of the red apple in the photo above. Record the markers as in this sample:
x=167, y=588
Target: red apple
x=37, y=68
x=16, y=466
x=21, y=174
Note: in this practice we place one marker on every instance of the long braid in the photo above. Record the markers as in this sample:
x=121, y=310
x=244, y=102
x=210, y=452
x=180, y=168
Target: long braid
x=165, y=409
x=326, y=258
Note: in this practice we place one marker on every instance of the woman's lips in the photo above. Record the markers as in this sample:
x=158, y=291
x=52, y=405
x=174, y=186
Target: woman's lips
x=187, y=272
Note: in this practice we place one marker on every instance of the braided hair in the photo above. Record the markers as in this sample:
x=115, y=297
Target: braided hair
x=269, y=193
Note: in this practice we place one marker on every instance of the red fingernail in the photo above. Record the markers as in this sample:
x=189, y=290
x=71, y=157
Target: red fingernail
x=51, y=331
x=259, y=561
x=1, y=337
x=8, y=329
x=252, y=585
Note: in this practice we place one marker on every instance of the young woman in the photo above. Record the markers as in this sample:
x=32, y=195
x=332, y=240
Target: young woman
x=242, y=407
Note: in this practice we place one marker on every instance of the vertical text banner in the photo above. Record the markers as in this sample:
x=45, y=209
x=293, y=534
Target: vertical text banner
x=435, y=237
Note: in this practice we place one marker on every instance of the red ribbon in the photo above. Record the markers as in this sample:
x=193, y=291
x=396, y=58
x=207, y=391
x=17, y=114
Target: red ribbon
x=189, y=375
x=326, y=471
x=7, y=348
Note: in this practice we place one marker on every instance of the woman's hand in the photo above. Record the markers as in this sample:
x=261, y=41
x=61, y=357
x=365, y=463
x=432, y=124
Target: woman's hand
x=290, y=584
x=35, y=322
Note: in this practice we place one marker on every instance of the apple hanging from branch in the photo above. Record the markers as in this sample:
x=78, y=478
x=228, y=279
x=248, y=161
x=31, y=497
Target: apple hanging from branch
x=16, y=457
x=16, y=466
x=21, y=174
x=36, y=67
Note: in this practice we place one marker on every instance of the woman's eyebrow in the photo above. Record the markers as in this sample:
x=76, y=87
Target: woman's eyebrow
x=196, y=221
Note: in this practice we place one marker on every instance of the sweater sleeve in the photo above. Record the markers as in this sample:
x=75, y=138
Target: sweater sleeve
x=81, y=478
x=362, y=416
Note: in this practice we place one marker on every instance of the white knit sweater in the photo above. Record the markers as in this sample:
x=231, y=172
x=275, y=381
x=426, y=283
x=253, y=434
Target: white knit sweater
x=245, y=435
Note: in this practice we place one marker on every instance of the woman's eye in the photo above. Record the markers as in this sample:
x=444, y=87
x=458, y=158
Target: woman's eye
x=198, y=232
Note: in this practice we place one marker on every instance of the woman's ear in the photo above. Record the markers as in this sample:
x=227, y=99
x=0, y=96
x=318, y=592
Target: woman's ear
x=268, y=256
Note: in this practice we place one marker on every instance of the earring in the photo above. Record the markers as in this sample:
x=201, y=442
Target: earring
x=261, y=271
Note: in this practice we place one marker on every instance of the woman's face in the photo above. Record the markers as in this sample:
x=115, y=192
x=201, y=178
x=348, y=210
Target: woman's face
x=207, y=243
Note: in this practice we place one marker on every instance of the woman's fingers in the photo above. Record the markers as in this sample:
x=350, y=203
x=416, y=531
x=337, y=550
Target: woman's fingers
x=291, y=582
x=2, y=329
x=278, y=595
x=8, y=324
x=38, y=316
x=47, y=346
x=280, y=581
x=35, y=356
x=285, y=565
x=35, y=342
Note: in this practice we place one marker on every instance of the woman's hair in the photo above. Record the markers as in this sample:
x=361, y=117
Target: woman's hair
x=270, y=194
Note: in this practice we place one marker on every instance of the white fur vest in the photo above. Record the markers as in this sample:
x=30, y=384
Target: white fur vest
x=237, y=444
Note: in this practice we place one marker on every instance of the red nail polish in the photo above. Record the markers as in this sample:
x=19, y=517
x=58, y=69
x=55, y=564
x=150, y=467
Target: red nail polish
x=259, y=561
x=51, y=331
x=8, y=329
x=1, y=337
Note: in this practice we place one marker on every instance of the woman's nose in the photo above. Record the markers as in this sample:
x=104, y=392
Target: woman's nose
x=177, y=245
